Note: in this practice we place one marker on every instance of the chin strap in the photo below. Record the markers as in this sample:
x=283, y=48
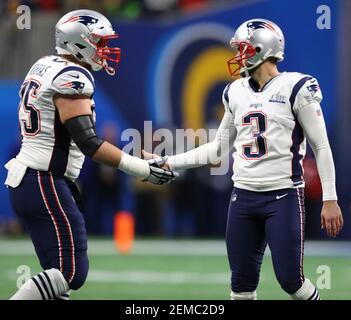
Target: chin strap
x=249, y=71
x=110, y=71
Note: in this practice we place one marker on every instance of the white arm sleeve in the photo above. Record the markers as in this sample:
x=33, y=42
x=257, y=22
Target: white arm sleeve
x=134, y=166
x=211, y=152
x=311, y=120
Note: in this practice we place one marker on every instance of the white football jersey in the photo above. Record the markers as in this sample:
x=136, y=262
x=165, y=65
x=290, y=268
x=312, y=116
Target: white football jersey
x=46, y=145
x=270, y=143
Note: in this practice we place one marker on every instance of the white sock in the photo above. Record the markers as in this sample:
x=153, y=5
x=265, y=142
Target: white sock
x=243, y=295
x=46, y=285
x=307, y=292
x=64, y=296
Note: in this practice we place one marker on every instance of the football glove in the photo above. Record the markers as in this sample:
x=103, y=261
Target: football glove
x=158, y=175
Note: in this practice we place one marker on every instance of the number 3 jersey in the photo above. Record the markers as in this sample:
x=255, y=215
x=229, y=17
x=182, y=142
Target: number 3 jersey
x=270, y=143
x=46, y=145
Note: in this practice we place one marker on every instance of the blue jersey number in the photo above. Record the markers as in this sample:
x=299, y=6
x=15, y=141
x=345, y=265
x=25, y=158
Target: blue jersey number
x=31, y=126
x=258, y=149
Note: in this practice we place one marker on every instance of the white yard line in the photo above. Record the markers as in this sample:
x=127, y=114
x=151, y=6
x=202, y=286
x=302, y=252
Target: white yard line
x=143, y=276
x=177, y=248
x=157, y=277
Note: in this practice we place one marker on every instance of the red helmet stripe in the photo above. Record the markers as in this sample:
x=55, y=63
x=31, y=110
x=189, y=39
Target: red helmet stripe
x=72, y=19
x=270, y=27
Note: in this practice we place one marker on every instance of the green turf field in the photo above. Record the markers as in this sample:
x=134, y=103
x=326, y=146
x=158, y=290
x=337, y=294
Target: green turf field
x=170, y=270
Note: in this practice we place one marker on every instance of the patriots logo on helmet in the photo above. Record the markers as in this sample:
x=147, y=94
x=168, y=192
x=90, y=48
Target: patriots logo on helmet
x=77, y=85
x=86, y=20
x=253, y=25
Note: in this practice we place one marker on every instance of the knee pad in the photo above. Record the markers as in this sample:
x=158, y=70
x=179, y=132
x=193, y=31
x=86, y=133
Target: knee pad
x=243, y=295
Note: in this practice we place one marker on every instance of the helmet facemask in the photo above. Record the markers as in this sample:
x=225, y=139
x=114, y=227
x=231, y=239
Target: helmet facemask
x=104, y=53
x=242, y=62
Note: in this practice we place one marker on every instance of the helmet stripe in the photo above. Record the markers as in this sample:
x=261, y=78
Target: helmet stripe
x=72, y=19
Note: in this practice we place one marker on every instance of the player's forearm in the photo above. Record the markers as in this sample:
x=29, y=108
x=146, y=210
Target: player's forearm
x=326, y=170
x=112, y=156
x=108, y=154
x=82, y=131
x=312, y=121
x=194, y=158
x=209, y=153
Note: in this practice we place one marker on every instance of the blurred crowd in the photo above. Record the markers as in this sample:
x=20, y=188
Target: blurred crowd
x=128, y=9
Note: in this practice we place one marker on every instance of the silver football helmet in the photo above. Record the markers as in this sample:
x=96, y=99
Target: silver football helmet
x=254, y=42
x=85, y=35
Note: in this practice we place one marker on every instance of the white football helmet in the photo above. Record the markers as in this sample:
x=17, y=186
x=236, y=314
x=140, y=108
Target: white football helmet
x=254, y=42
x=85, y=35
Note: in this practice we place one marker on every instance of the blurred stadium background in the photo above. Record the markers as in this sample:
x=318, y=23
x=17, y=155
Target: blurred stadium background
x=172, y=72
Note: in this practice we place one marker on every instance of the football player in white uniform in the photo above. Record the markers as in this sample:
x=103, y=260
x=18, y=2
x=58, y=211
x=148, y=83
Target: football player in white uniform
x=267, y=116
x=57, y=120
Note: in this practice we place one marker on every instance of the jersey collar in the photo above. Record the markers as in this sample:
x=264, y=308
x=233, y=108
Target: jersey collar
x=255, y=86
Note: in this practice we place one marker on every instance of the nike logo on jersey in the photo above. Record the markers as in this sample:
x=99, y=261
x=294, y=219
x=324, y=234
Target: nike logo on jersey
x=58, y=60
x=281, y=196
x=74, y=75
x=256, y=105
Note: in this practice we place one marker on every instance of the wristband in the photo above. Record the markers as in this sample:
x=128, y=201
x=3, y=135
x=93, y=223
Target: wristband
x=134, y=166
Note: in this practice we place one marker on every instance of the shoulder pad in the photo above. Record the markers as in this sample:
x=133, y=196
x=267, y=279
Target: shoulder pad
x=74, y=80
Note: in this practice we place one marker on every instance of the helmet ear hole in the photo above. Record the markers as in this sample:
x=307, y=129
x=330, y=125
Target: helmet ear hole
x=258, y=49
